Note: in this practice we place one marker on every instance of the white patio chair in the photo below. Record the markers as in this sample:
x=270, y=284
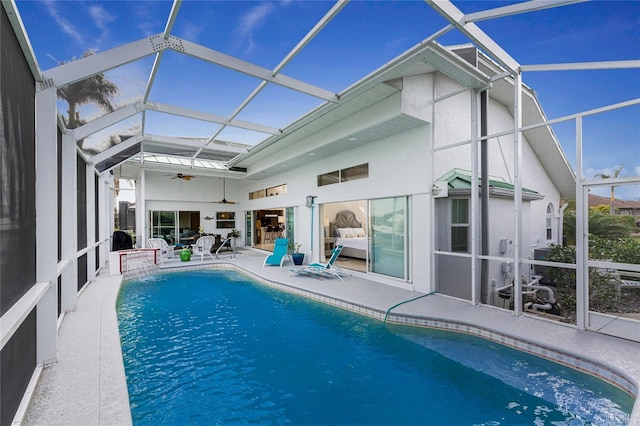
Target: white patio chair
x=166, y=251
x=202, y=247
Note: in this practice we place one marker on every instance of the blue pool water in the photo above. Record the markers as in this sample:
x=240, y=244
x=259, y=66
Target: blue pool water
x=212, y=347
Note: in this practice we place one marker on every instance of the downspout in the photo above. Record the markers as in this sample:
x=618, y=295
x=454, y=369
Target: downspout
x=484, y=187
x=561, y=223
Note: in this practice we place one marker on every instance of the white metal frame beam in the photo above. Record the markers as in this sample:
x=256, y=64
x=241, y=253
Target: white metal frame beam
x=172, y=140
x=80, y=69
x=214, y=118
x=21, y=35
x=156, y=63
x=514, y=9
x=244, y=67
x=105, y=121
x=297, y=49
x=116, y=149
x=46, y=169
x=581, y=66
x=130, y=110
x=450, y=12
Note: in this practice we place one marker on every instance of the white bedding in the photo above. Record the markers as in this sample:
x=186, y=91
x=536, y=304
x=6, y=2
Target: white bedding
x=359, y=243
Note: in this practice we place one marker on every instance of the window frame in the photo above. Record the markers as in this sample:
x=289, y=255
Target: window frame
x=223, y=222
x=455, y=226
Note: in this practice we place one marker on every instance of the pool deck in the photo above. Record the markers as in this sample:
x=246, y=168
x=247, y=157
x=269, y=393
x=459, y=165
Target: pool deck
x=87, y=384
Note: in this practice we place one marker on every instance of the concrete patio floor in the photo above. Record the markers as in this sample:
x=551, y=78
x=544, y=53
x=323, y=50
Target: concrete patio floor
x=87, y=385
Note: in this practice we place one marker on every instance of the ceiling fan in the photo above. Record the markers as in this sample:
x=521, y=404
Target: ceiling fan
x=224, y=198
x=181, y=176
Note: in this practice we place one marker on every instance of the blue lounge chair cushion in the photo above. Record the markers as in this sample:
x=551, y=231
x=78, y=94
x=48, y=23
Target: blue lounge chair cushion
x=280, y=253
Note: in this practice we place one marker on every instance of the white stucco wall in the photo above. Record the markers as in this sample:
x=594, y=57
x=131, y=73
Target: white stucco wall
x=165, y=194
x=452, y=125
x=402, y=165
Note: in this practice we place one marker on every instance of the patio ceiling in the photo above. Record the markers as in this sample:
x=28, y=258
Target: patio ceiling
x=242, y=147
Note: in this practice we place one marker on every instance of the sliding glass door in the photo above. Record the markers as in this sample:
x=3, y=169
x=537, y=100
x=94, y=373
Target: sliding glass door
x=174, y=226
x=163, y=225
x=388, y=237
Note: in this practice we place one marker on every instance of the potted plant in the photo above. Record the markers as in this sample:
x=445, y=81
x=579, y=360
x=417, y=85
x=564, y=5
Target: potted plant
x=234, y=234
x=294, y=249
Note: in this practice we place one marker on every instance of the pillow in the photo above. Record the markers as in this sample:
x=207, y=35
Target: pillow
x=343, y=232
x=359, y=232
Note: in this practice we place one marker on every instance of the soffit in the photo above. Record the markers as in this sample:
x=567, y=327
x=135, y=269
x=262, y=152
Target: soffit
x=393, y=126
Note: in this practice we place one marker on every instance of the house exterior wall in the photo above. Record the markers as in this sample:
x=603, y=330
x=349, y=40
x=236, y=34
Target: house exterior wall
x=165, y=194
x=451, y=125
x=401, y=165
x=391, y=173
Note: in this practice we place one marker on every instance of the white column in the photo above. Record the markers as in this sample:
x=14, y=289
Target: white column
x=475, y=197
x=103, y=218
x=91, y=223
x=46, y=224
x=517, y=167
x=141, y=211
x=69, y=223
x=110, y=213
x=582, y=236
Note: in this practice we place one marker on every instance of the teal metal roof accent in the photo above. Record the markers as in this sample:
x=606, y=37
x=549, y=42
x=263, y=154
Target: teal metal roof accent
x=461, y=179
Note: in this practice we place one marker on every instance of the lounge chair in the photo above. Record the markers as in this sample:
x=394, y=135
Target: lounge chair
x=202, y=247
x=280, y=253
x=166, y=251
x=324, y=270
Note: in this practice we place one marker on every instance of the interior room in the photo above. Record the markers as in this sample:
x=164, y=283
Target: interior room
x=269, y=225
x=346, y=223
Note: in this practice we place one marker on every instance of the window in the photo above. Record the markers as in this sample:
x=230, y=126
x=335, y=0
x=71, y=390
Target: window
x=360, y=171
x=277, y=190
x=225, y=220
x=268, y=192
x=356, y=172
x=329, y=178
x=261, y=193
x=549, y=223
x=460, y=225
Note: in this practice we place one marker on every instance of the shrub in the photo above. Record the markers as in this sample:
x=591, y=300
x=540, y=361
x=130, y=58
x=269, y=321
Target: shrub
x=561, y=276
x=601, y=225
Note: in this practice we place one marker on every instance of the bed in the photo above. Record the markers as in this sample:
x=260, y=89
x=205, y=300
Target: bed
x=348, y=231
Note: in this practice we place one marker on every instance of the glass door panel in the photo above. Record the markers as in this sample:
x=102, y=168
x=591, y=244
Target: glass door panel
x=163, y=225
x=289, y=227
x=248, y=235
x=387, y=231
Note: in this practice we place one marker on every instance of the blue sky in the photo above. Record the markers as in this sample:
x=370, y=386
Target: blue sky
x=363, y=37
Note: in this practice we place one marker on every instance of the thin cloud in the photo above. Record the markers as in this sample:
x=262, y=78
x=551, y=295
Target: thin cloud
x=102, y=20
x=66, y=26
x=250, y=22
x=191, y=31
x=149, y=22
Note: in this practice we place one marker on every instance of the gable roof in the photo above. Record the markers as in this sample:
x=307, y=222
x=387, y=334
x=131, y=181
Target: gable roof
x=459, y=182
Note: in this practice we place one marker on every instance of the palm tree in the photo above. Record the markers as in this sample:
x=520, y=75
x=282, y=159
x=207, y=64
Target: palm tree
x=95, y=89
x=616, y=173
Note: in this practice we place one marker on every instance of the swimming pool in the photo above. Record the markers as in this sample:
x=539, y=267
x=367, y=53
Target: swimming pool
x=212, y=347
